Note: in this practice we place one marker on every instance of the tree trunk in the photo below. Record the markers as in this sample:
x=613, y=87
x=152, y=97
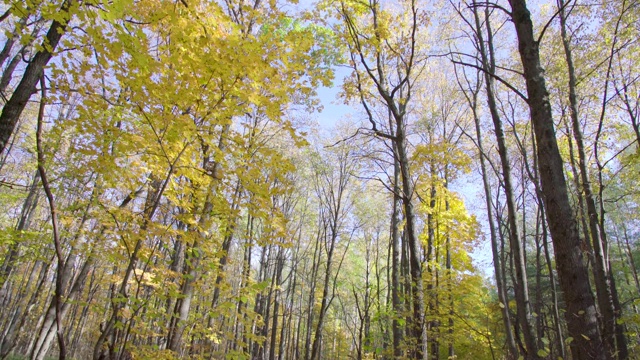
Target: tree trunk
x=521, y=289
x=28, y=207
x=418, y=330
x=15, y=105
x=600, y=268
x=120, y=295
x=317, y=340
x=581, y=313
x=276, y=303
x=48, y=330
x=191, y=272
x=397, y=305
x=315, y=265
x=512, y=350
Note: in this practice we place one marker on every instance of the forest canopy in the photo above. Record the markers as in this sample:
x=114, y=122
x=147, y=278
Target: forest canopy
x=169, y=192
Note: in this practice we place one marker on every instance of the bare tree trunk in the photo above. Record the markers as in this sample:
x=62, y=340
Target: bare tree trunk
x=13, y=108
x=317, y=339
x=276, y=303
x=263, y=303
x=581, y=313
x=47, y=332
x=419, y=330
x=432, y=271
x=61, y=275
x=483, y=157
x=28, y=208
x=315, y=265
x=395, y=98
x=23, y=53
x=191, y=271
x=523, y=308
x=601, y=277
x=533, y=176
x=20, y=313
x=449, y=274
x=397, y=305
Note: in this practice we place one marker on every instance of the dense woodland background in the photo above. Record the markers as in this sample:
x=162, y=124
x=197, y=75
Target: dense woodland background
x=167, y=192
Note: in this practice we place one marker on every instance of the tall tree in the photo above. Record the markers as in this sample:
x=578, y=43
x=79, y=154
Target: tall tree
x=390, y=74
x=581, y=314
x=602, y=277
x=523, y=306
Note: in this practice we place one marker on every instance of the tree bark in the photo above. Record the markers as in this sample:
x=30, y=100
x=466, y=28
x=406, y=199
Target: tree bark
x=15, y=105
x=574, y=277
x=419, y=330
x=398, y=308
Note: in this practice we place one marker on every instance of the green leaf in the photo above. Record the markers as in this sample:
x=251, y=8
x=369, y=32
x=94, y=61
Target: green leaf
x=543, y=353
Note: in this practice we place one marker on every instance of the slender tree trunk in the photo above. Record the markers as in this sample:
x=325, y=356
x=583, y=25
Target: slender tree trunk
x=396, y=100
x=419, y=330
x=28, y=207
x=19, y=315
x=276, y=304
x=317, y=340
x=191, y=272
x=495, y=250
x=61, y=275
x=241, y=320
x=449, y=269
x=600, y=268
x=287, y=341
x=23, y=53
x=109, y=332
x=263, y=303
x=431, y=259
x=315, y=265
x=396, y=301
x=523, y=307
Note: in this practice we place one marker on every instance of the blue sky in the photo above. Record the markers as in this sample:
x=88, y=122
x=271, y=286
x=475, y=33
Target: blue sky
x=334, y=108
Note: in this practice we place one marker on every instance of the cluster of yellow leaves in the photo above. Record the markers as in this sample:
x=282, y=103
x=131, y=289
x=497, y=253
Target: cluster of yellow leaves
x=163, y=88
x=181, y=106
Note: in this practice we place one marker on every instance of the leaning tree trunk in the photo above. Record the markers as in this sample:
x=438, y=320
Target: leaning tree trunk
x=15, y=105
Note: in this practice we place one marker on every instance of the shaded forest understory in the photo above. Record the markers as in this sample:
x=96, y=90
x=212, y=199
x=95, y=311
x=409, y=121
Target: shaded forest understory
x=168, y=192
